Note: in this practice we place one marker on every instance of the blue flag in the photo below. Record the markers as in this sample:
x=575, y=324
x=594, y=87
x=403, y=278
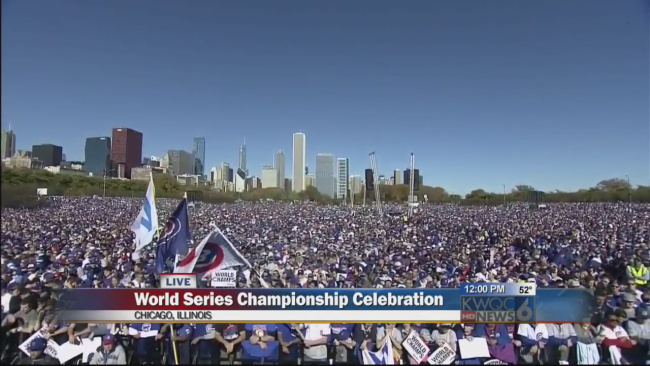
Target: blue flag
x=175, y=239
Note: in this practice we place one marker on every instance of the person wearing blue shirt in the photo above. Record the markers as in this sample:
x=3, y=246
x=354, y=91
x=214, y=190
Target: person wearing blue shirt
x=341, y=338
x=145, y=347
x=290, y=342
x=203, y=349
x=181, y=334
x=262, y=344
x=229, y=338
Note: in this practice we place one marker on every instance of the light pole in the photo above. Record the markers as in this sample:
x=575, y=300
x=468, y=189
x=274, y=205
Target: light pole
x=106, y=171
x=629, y=189
x=504, y=194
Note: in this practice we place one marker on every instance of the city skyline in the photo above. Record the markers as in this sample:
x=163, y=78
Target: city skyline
x=455, y=86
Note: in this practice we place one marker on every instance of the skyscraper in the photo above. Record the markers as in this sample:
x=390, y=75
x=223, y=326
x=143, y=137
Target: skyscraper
x=398, y=177
x=8, y=148
x=343, y=176
x=199, y=155
x=50, y=155
x=299, y=161
x=126, y=149
x=269, y=177
x=355, y=184
x=325, y=178
x=97, y=156
x=242, y=158
x=279, y=165
x=180, y=162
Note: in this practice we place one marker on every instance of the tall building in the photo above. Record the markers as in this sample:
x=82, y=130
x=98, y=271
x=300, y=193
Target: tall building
x=240, y=180
x=343, y=176
x=199, y=155
x=50, y=155
x=126, y=150
x=270, y=177
x=325, y=178
x=8, y=144
x=225, y=172
x=355, y=184
x=97, y=156
x=310, y=180
x=279, y=165
x=398, y=177
x=242, y=158
x=214, y=174
x=299, y=162
x=179, y=162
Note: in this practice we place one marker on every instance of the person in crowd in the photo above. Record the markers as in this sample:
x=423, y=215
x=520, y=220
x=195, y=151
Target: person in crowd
x=341, y=339
x=499, y=342
x=466, y=331
x=638, y=272
x=561, y=339
x=145, y=348
x=37, y=355
x=178, y=342
x=386, y=331
x=109, y=353
x=230, y=338
x=290, y=340
x=315, y=343
x=262, y=344
x=615, y=338
x=638, y=329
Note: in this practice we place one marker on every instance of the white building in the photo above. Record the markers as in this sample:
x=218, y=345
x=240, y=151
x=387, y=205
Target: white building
x=299, y=162
x=355, y=184
x=270, y=177
x=240, y=180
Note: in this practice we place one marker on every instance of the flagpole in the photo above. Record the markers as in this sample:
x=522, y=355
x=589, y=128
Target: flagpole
x=173, y=335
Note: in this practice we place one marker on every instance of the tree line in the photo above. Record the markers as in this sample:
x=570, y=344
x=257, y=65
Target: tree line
x=19, y=189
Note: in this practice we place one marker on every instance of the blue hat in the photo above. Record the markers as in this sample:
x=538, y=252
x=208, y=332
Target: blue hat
x=38, y=344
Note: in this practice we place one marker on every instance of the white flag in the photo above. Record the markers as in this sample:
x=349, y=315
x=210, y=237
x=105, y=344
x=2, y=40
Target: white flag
x=214, y=253
x=382, y=357
x=145, y=225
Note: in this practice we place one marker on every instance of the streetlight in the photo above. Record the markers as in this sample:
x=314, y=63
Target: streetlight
x=106, y=171
x=629, y=189
x=504, y=194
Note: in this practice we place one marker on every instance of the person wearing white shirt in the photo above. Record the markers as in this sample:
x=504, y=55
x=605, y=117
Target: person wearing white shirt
x=316, y=343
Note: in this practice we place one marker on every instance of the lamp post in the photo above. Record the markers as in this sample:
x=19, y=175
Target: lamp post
x=629, y=189
x=504, y=194
x=106, y=171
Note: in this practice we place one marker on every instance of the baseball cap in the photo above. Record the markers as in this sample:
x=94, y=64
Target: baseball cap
x=38, y=344
x=108, y=339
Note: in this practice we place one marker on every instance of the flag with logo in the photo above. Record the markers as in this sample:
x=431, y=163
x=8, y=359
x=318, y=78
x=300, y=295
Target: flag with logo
x=214, y=253
x=384, y=356
x=174, y=240
x=145, y=225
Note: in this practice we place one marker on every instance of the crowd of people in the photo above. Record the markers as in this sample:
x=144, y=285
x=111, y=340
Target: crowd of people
x=87, y=243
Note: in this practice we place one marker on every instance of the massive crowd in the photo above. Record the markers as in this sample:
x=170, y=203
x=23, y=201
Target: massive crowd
x=86, y=242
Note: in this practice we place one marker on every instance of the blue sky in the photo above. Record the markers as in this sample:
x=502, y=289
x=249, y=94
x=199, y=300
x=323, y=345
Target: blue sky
x=554, y=94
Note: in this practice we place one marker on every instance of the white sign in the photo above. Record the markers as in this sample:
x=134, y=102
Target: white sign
x=476, y=348
x=416, y=347
x=51, y=350
x=224, y=278
x=442, y=356
x=41, y=191
x=495, y=362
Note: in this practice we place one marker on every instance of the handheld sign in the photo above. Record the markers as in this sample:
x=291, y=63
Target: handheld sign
x=442, y=356
x=416, y=347
x=178, y=280
x=225, y=278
